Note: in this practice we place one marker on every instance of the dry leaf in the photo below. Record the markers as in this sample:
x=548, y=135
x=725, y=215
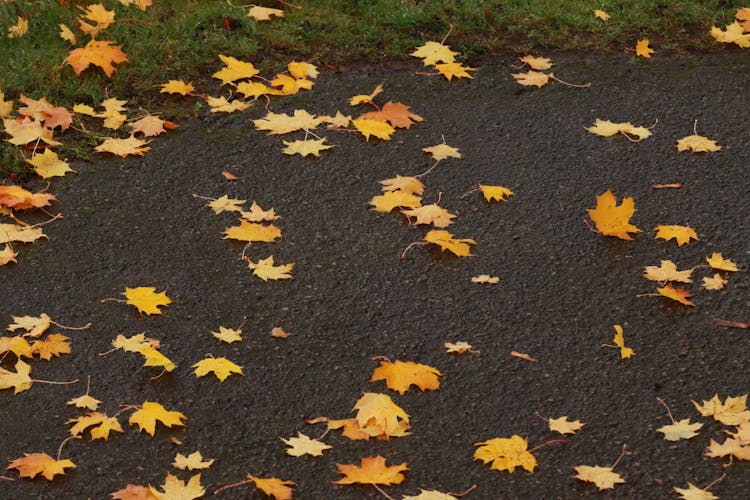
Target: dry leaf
x=101, y=425
x=732, y=411
x=715, y=283
x=250, y=232
x=603, y=477
x=377, y=415
x=274, y=487
x=228, y=335
x=433, y=53
x=372, y=470
x=667, y=271
x=445, y=240
x=485, y=279
x=692, y=492
x=234, y=70
x=376, y=128
x=679, y=294
x=34, y=326
x=40, y=463
x=565, y=426
x=400, y=375
x=123, y=147
x=716, y=261
x=612, y=219
x=537, y=63
x=607, y=128
x=679, y=430
x=389, y=200
x=307, y=147
x=48, y=164
x=146, y=300
x=642, y=49
x=442, y=151
x=506, y=454
x=496, y=193
x=281, y=123
x=150, y=413
x=194, y=461
x=222, y=105
x=264, y=13
x=619, y=340
x=362, y=98
x=533, y=78
x=395, y=113
x=221, y=367
x=601, y=15
x=454, y=69
x=682, y=234
x=411, y=185
x=460, y=347
x=303, y=445
x=175, y=489
x=177, y=87
x=430, y=214
x=697, y=144
x=279, y=333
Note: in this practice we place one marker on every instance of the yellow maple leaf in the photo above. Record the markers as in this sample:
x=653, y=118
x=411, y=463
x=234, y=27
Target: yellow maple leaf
x=228, y=335
x=611, y=219
x=221, y=367
x=279, y=333
x=257, y=214
x=155, y=358
x=460, y=347
x=411, y=185
x=35, y=326
x=506, y=454
x=732, y=411
x=445, y=240
x=372, y=470
x=667, y=271
x=537, y=63
x=24, y=130
x=136, y=343
x=256, y=89
x=681, y=234
x=714, y=283
x=607, y=128
x=7, y=255
x=378, y=415
x=98, y=14
x=300, y=70
x=175, y=489
x=151, y=125
x=265, y=270
x=601, y=15
x=224, y=204
x=716, y=261
x=338, y=121
x=194, y=461
x=678, y=294
x=15, y=232
x=222, y=105
x=603, y=477
x=32, y=464
x=307, y=147
x=97, y=52
x=692, y=492
x=533, y=78
x=485, y=279
x=432, y=53
x=619, y=340
x=20, y=380
x=250, y=231
x=48, y=164
x=733, y=33
x=303, y=445
x=177, y=87
x=277, y=488
x=85, y=401
x=289, y=85
x=6, y=107
x=677, y=430
x=497, y=193
x=54, y=344
x=123, y=147
x=697, y=144
x=565, y=426
x=401, y=375
x=146, y=300
x=19, y=29
x=264, y=13
x=151, y=412
x=442, y=151
x=365, y=98
x=389, y=200
x=429, y=495
x=17, y=345
x=430, y=214
x=454, y=69
x=642, y=49
x=234, y=70
x=281, y=123
x=368, y=127
x=101, y=425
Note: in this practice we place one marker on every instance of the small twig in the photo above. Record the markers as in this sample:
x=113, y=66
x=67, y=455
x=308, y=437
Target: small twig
x=53, y=382
x=695, y=131
x=588, y=225
x=113, y=299
x=59, y=450
x=126, y=407
x=450, y=29
x=717, y=480
x=426, y=73
x=7, y=478
x=540, y=416
x=648, y=295
x=675, y=185
x=282, y=2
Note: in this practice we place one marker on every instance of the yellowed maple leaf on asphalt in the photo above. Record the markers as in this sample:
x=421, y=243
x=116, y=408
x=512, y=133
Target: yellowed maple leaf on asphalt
x=289, y=85
x=155, y=358
x=533, y=78
x=432, y=53
x=306, y=148
x=7, y=255
x=716, y=261
x=123, y=147
x=251, y=231
x=32, y=464
x=681, y=234
x=225, y=204
x=677, y=294
x=496, y=193
x=234, y=70
x=281, y=123
x=85, y=401
x=264, y=13
x=15, y=232
x=411, y=185
x=697, y=144
x=221, y=367
x=338, y=121
x=151, y=412
x=692, y=492
x=265, y=270
x=255, y=89
x=642, y=49
x=612, y=219
x=100, y=423
x=16, y=345
x=365, y=98
x=619, y=340
x=257, y=214
x=429, y=495
x=20, y=380
x=377, y=415
x=389, y=200
x=506, y=454
x=372, y=470
x=607, y=128
x=430, y=214
x=445, y=240
x=222, y=105
x=228, y=335
x=303, y=445
x=667, y=271
x=677, y=430
x=35, y=326
x=565, y=426
x=485, y=279
x=175, y=489
x=454, y=69
x=442, y=151
x=146, y=300
x=151, y=126
x=714, y=283
x=732, y=411
x=48, y=164
x=274, y=487
x=177, y=87
x=376, y=128
x=460, y=347
x=135, y=343
x=194, y=461
x=401, y=375
x=302, y=70
x=54, y=344
x=394, y=113
x=603, y=477
x=537, y=63
x=737, y=445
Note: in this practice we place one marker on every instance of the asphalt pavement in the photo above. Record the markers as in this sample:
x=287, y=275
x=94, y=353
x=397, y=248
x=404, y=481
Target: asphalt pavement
x=135, y=222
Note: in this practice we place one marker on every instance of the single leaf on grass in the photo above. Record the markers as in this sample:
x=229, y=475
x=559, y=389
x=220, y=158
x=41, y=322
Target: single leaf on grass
x=601, y=15
x=533, y=78
x=151, y=412
x=442, y=151
x=97, y=52
x=445, y=240
x=377, y=415
x=101, y=425
x=19, y=29
x=376, y=128
x=234, y=70
x=222, y=105
x=496, y=193
x=50, y=116
x=372, y=470
x=389, y=200
x=506, y=454
x=485, y=279
x=395, y=113
x=716, y=261
x=194, y=461
x=123, y=147
x=607, y=128
x=35, y=326
x=642, y=49
x=681, y=234
x=454, y=69
x=54, y=344
x=306, y=148
x=401, y=375
x=177, y=87
x=264, y=13
x=228, y=335
x=697, y=144
x=714, y=283
x=274, y=487
x=432, y=53
x=612, y=219
x=98, y=14
x=603, y=477
x=175, y=489
x=146, y=300
x=667, y=271
x=732, y=411
x=265, y=270
x=48, y=164
x=303, y=445
x=32, y=464
x=430, y=214
x=678, y=294
x=221, y=367
x=565, y=426
x=24, y=130
x=250, y=231
x=20, y=380
x=281, y=123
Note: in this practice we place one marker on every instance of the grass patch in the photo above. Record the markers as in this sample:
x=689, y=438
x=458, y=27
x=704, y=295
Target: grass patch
x=180, y=39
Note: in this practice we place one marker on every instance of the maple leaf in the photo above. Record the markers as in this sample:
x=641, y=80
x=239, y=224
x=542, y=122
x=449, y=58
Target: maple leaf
x=677, y=430
x=99, y=15
x=429, y=495
x=234, y=70
x=697, y=144
x=14, y=232
x=141, y=4
x=20, y=380
x=442, y=151
x=19, y=29
x=454, y=69
x=619, y=340
x=40, y=463
x=48, y=164
x=175, y=489
x=67, y=35
x=306, y=147
x=733, y=33
x=264, y=13
x=601, y=15
x=146, y=300
x=679, y=294
x=497, y=193
x=54, y=344
x=17, y=198
x=446, y=241
x=221, y=105
x=34, y=326
x=681, y=234
x=228, y=335
x=274, y=487
x=642, y=49
x=611, y=219
x=279, y=333
x=151, y=126
x=133, y=492
x=667, y=271
x=100, y=424
x=692, y=492
x=155, y=358
x=221, y=367
x=302, y=70
x=533, y=78
x=281, y=123
x=715, y=283
x=256, y=89
x=303, y=445
x=400, y=375
x=250, y=232
x=537, y=63
x=391, y=199
x=194, y=461
x=177, y=87
x=123, y=147
x=150, y=412
x=565, y=426
x=7, y=255
x=395, y=113
x=338, y=121
x=377, y=415
x=362, y=98
x=257, y=214
x=6, y=107
x=85, y=401
x=432, y=53
x=485, y=279
x=136, y=343
x=24, y=130
x=97, y=52
x=607, y=128
x=265, y=269
x=289, y=85
x=732, y=411
x=372, y=470
x=368, y=127
x=51, y=116
x=716, y=261
x=224, y=204
x=458, y=347
x=17, y=345
x=603, y=477
x=430, y=214
x=506, y=454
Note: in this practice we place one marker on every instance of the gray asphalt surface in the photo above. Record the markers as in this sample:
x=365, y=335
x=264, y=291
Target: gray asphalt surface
x=134, y=222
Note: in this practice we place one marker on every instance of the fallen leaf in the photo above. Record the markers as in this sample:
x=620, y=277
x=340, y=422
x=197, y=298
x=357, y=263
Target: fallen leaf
x=151, y=126
x=307, y=147
x=20, y=380
x=506, y=454
x=460, y=347
x=303, y=445
x=194, y=461
x=442, y=151
x=733, y=33
x=496, y=193
x=14, y=232
x=537, y=63
x=533, y=78
x=607, y=128
x=603, y=477
x=281, y=123
x=250, y=231
x=17, y=345
x=101, y=425
x=265, y=270
x=279, y=333
x=7, y=255
x=133, y=492
x=372, y=470
x=54, y=344
x=619, y=340
x=365, y=98
x=377, y=415
x=228, y=335
x=601, y=15
x=395, y=113
x=257, y=214
x=136, y=343
x=716, y=261
x=392, y=199
x=24, y=130
x=123, y=147
x=35, y=326
x=454, y=69
x=19, y=29
x=376, y=128
x=290, y=85
x=401, y=375
x=229, y=175
x=225, y=204
x=445, y=240
x=697, y=144
x=430, y=214
x=611, y=219
x=692, y=492
x=40, y=463
x=679, y=294
x=682, y=234
x=97, y=52
x=485, y=279
x=264, y=13
x=667, y=271
x=301, y=70
x=222, y=105
x=177, y=87
x=151, y=412
x=679, y=430
x=221, y=367
x=234, y=70
x=432, y=53
x=642, y=49
x=715, y=283
x=274, y=487
x=85, y=401
x=48, y=164
x=156, y=359
x=146, y=300
x=732, y=411
x=429, y=495
x=175, y=489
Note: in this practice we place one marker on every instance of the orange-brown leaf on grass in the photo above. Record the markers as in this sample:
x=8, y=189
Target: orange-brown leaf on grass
x=17, y=198
x=98, y=14
x=432, y=53
x=19, y=29
x=23, y=130
x=537, y=63
x=733, y=33
x=151, y=412
x=16, y=232
x=133, y=492
x=146, y=300
x=177, y=87
x=681, y=234
x=17, y=345
x=50, y=116
x=264, y=13
x=565, y=426
x=221, y=367
x=175, y=489
x=274, y=487
x=533, y=78
x=303, y=445
x=411, y=185
x=234, y=70
x=194, y=461
x=35, y=326
x=667, y=271
x=97, y=52
x=101, y=425
x=378, y=415
x=430, y=214
x=454, y=69
x=54, y=344
x=368, y=127
x=362, y=98
x=401, y=375
x=642, y=49
x=718, y=262
x=445, y=240
x=372, y=470
x=389, y=200
x=732, y=411
x=123, y=147
x=265, y=270
x=496, y=193
x=607, y=128
x=395, y=113
x=48, y=164
x=281, y=123
x=306, y=148
x=7, y=255
x=151, y=125
x=40, y=463
x=678, y=294
x=697, y=144
x=506, y=454
x=603, y=477
x=601, y=15
x=714, y=283
x=442, y=151
x=612, y=219
x=20, y=380
x=250, y=231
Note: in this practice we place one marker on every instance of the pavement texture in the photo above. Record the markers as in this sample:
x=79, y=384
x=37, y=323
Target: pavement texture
x=134, y=222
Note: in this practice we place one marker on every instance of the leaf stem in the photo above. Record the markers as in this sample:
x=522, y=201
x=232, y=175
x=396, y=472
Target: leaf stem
x=156, y=377
x=671, y=417
x=386, y=495
x=467, y=193
x=59, y=450
x=428, y=170
x=450, y=29
x=622, y=454
x=718, y=479
x=233, y=485
x=570, y=84
x=547, y=443
x=55, y=382
x=406, y=250
x=540, y=416
x=87, y=325
x=459, y=495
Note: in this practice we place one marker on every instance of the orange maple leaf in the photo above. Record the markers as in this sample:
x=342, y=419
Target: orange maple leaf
x=274, y=487
x=679, y=294
x=54, y=345
x=611, y=219
x=372, y=470
x=400, y=375
x=97, y=52
x=18, y=198
x=40, y=463
x=395, y=113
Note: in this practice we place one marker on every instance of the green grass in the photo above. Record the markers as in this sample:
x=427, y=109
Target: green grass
x=180, y=39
